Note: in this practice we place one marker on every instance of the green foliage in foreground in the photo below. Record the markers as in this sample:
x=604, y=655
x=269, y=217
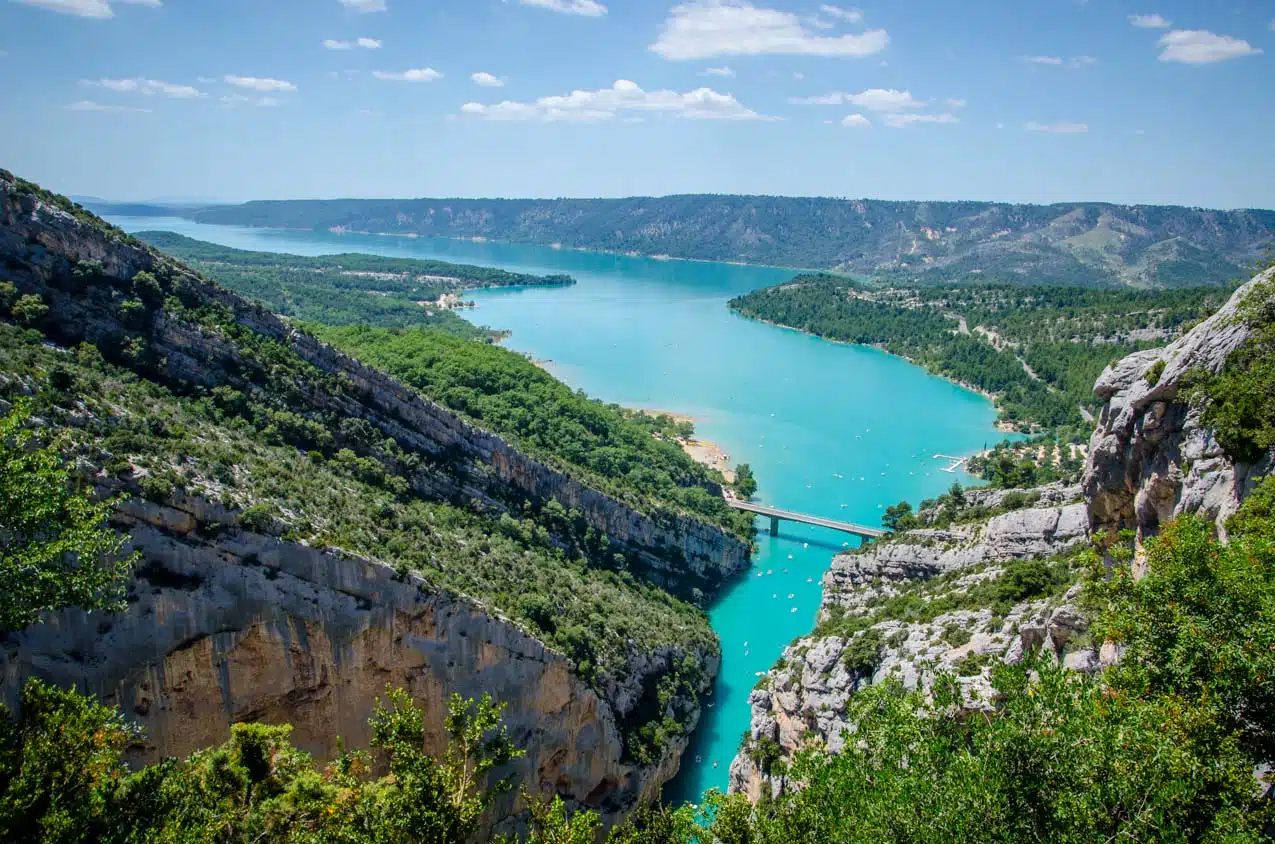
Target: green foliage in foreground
x=346, y=289
x=63, y=780
x=507, y=393
x=55, y=548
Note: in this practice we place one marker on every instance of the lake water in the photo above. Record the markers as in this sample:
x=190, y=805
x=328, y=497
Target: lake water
x=833, y=430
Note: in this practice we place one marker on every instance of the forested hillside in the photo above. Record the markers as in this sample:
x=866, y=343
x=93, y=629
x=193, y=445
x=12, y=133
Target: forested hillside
x=1091, y=244
x=348, y=289
x=1037, y=350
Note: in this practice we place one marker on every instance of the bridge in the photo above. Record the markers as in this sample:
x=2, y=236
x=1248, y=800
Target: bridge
x=776, y=515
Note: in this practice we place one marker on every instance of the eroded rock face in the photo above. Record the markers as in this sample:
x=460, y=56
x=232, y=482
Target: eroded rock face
x=1151, y=458
x=246, y=627
x=803, y=700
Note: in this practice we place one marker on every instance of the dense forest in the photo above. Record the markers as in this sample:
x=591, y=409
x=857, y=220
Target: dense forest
x=1037, y=350
x=1091, y=243
x=346, y=289
x=630, y=454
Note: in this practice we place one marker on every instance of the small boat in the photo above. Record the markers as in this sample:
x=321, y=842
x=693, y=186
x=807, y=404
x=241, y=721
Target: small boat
x=714, y=763
x=697, y=760
x=745, y=653
x=745, y=644
x=790, y=556
x=861, y=477
x=794, y=609
x=770, y=571
x=785, y=571
x=810, y=580
x=759, y=574
x=776, y=595
x=790, y=596
x=805, y=545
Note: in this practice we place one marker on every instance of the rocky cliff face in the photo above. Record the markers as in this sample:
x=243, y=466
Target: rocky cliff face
x=226, y=625
x=42, y=244
x=1151, y=458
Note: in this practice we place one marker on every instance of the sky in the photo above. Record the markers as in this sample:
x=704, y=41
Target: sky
x=1162, y=101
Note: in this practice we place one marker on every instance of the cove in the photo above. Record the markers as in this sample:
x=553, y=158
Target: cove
x=832, y=430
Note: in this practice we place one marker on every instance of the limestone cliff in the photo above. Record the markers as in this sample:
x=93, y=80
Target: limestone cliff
x=228, y=625
x=1151, y=458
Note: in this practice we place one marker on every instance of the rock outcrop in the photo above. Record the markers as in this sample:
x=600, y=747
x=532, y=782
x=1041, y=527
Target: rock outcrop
x=225, y=625
x=1151, y=458
x=802, y=701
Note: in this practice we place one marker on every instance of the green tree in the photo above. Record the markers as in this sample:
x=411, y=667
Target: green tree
x=745, y=481
x=55, y=548
x=58, y=766
x=29, y=309
x=551, y=824
x=1200, y=623
x=898, y=517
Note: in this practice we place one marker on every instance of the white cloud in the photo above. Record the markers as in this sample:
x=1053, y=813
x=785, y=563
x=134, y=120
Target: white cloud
x=700, y=29
x=718, y=71
x=834, y=98
x=1150, y=21
x=873, y=99
x=955, y=102
x=420, y=74
x=1062, y=127
x=487, y=80
x=89, y=105
x=798, y=75
x=146, y=86
x=587, y=8
x=240, y=99
x=256, y=83
x=364, y=43
x=1075, y=62
x=86, y=8
x=885, y=99
x=856, y=120
x=847, y=15
x=624, y=96
x=903, y=121
x=1199, y=46
x=364, y=6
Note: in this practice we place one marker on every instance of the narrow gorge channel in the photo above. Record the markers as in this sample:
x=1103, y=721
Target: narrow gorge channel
x=833, y=430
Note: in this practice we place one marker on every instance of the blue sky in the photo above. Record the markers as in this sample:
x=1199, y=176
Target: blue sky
x=1163, y=101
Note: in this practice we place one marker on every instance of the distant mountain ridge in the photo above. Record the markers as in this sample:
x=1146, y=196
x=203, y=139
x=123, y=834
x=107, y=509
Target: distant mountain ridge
x=1088, y=243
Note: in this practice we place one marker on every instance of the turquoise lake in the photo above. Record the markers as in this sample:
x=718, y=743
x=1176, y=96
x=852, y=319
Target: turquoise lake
x=832, y=430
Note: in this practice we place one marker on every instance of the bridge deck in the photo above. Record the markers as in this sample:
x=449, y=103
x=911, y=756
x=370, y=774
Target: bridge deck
x=819, y=521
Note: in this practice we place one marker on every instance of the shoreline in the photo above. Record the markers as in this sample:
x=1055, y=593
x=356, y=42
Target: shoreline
x=704, y=452
x=557, y=246
x=1001, y=426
